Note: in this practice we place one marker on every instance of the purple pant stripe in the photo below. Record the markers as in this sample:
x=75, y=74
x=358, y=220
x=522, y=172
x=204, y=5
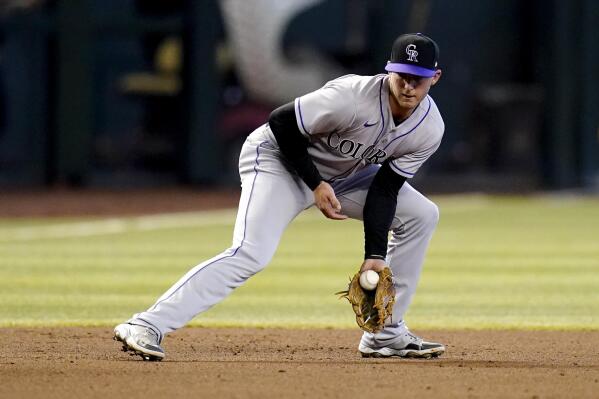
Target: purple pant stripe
x=242, y=240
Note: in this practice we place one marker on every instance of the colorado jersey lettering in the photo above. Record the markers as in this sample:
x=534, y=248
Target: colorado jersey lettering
x=349, y=125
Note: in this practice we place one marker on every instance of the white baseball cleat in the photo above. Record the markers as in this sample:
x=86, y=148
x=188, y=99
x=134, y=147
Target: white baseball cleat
x=140, y=340
x=408, y=345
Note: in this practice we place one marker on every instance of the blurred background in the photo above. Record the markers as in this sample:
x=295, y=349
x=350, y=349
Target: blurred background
x=148, y=93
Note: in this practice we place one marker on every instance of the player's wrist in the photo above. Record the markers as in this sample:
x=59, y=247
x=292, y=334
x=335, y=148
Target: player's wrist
x=317, y=184
x=313, y=181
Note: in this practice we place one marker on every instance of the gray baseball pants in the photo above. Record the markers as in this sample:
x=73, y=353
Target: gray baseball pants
x=271, y=198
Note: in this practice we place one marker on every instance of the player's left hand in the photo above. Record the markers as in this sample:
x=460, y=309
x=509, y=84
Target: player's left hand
x=371, y=310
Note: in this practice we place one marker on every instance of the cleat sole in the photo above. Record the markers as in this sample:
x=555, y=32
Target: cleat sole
x=135, y=352
x=385, y=352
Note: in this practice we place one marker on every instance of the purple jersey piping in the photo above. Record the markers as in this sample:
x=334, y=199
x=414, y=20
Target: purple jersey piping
x=242, y=240
x=299, y=109
x=414, y=128
x=377, y=137
x=382, y=113
x=401, y=170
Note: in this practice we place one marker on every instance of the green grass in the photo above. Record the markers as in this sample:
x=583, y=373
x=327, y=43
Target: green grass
x=523, y=262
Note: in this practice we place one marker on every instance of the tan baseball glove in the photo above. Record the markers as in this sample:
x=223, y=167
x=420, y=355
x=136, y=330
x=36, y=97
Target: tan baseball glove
x=373, y=307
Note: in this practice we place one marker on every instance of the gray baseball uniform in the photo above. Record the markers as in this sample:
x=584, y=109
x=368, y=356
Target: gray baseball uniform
x=351, y=131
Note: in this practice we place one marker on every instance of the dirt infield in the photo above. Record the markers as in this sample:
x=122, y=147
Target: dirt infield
x=274, y=363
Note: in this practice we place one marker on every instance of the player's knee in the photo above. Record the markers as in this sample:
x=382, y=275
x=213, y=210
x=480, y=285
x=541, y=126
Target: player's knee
x=255, y=260
x=435, y=214
x=428, y=215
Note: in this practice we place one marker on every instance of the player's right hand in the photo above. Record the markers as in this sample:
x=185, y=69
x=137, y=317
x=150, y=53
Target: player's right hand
x=327, y=202
x=373, y=264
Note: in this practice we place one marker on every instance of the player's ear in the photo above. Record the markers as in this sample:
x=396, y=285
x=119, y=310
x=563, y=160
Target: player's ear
x=436, y=77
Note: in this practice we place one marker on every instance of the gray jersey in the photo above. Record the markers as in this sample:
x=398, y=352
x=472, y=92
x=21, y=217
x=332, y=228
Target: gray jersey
x=349, y=125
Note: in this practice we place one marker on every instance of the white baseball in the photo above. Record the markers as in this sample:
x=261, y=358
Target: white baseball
x=369, y=279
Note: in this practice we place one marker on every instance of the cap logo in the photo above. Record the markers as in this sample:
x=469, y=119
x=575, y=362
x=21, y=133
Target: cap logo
x=412, y=53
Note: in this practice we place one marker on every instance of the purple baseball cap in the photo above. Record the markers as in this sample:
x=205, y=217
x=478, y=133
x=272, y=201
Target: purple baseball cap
x=414, y=53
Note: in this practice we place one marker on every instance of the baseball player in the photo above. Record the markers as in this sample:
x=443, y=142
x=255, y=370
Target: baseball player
x=347, y=148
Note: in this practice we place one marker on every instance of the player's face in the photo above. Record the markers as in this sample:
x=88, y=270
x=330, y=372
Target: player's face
x=409, y=90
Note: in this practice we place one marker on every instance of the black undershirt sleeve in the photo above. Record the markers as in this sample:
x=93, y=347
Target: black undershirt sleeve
x=381, y=200
x=379, y=209
x=293, y=144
